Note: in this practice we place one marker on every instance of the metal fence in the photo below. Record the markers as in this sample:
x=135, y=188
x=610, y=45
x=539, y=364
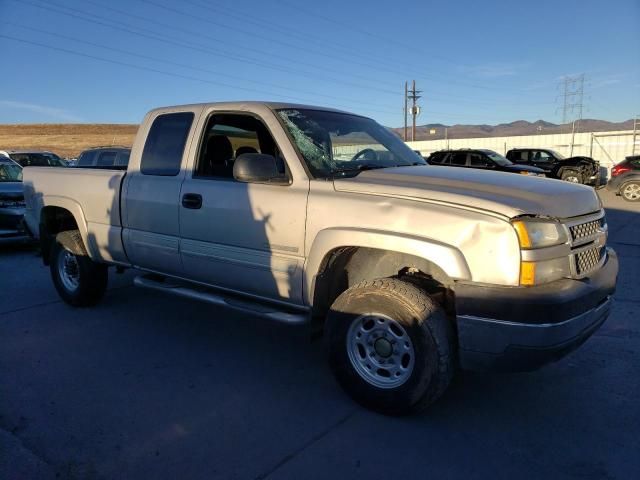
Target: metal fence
x=608, y=148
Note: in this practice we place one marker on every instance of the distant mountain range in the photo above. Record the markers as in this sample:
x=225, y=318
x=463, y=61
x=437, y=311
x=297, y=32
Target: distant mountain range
x=519, y=127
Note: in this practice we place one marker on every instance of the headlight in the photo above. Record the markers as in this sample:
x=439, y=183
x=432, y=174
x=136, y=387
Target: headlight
x=539, y=233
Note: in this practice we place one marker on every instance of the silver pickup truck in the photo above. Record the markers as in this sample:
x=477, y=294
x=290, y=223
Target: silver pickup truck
x=305, y=214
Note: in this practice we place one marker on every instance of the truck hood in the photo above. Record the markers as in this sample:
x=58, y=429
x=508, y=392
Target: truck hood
x=505, y=193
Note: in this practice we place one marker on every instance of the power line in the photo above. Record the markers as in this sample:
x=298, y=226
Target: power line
x=181, y=65
x=150, y=34
x=154, y=70
x=181, y=44
x=79, y=14
x=333, y=55
x=333, y=21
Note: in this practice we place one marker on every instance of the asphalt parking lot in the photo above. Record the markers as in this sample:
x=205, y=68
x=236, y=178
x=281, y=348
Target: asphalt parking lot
x=148, y=386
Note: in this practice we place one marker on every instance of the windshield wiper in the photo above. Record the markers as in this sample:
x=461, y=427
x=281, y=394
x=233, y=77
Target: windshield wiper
x=370, y=166
x=360, y=168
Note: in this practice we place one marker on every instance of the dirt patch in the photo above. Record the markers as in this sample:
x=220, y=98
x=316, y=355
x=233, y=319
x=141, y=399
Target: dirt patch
x=67, y=140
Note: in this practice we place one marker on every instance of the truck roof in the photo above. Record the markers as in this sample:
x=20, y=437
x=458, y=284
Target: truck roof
x=242, y=105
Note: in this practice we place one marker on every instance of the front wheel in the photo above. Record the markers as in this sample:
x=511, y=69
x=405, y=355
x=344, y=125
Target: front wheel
x=572, y=177
x=390, y=346
x=80, y=281
x=630, y=191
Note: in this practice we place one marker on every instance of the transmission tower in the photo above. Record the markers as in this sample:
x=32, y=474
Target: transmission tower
x=573, y=96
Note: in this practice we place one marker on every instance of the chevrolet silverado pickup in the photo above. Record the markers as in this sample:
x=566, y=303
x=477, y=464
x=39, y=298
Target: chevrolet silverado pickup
x=303, y=214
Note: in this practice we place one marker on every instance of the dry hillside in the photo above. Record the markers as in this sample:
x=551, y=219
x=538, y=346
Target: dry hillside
x=67, y=140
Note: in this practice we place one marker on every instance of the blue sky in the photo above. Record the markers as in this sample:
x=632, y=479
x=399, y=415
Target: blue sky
x=476, y=62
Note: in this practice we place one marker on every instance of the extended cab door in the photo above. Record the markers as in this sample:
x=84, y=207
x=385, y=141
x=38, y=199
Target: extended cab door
x=151, y=191
x=246, y=237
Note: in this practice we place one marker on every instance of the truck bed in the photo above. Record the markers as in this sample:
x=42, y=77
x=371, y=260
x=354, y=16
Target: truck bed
x=92, y=193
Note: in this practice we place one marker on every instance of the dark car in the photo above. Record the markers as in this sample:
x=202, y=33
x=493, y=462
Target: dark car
x=12, y=204
x=104, y=157
x=576, y=169
x=482, y=159
x=36, y=158
x=625, y=179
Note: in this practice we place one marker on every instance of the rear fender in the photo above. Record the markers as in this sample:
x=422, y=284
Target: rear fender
x=76, y=211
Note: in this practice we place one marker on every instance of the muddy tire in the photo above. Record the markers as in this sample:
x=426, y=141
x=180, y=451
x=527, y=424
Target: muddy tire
x=390, y=346
x=80, y=281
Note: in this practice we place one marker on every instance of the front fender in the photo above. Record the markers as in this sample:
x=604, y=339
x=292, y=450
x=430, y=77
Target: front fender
x=448, y=258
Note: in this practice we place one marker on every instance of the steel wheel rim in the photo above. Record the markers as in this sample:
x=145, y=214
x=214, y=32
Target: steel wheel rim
x=69, y=270
x=631, y=192
x=380, y=350
x=572, y=179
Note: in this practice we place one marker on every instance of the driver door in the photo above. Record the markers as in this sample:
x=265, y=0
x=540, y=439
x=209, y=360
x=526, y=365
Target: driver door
x=246, y=237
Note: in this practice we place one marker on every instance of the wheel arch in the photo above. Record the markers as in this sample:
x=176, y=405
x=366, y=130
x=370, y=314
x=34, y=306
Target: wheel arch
x=341, y=258
x=60, y=214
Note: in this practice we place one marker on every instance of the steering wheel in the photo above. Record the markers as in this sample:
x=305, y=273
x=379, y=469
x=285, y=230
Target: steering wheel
x=368, y=153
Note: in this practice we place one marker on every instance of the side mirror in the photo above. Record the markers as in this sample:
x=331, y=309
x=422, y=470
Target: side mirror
x=258, y=168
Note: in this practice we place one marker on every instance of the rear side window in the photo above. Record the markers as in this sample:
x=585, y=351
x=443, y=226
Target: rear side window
x=162, y=154
x=86, y=159
x=106, y=159
x=123, y=159
x=459, y=159
x=519, y=156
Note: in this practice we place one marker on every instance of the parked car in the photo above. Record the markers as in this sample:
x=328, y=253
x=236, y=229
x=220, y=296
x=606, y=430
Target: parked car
x=29, y=158
x=306, y=214
x=482, y=159
x=625, y=179
x=11, y=199
x=576, y=169
x=104, y=157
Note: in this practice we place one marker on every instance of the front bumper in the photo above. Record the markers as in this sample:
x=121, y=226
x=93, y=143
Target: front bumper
x=521, y=329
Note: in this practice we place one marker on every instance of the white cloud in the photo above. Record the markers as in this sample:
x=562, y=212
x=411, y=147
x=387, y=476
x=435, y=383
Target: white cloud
x=49, y=112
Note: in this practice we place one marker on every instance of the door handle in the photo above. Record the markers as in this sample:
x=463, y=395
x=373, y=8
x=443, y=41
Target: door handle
x=192, y=200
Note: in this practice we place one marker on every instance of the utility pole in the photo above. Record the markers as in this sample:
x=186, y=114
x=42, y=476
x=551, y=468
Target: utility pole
x=572, y=98
x=413, y=95
x=635, y=129
x=405, y=110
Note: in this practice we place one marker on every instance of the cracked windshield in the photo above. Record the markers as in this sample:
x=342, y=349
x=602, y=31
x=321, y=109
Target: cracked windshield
x=338, y=144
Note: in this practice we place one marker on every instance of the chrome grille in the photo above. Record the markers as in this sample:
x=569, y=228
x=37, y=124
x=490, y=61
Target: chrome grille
x=587, y=260
x=585, y=230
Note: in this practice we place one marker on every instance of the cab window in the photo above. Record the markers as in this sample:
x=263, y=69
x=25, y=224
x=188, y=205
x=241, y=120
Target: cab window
x=226, y=137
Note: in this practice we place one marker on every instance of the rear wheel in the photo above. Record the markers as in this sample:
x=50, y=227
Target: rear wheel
x=572, y=176
x=630, y=191
x=80, y=281
x=390, y=346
